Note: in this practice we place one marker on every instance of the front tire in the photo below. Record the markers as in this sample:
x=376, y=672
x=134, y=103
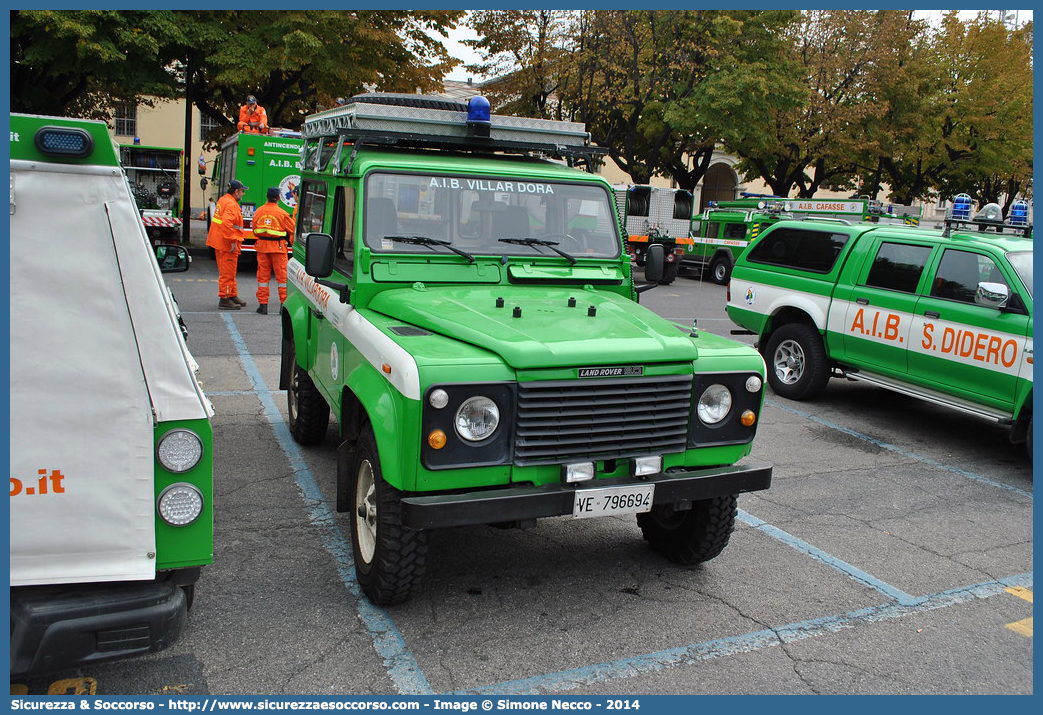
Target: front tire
x=720, y=271
x=693, y=536
x=798, y=367
x=389, y=558
x=308, y=412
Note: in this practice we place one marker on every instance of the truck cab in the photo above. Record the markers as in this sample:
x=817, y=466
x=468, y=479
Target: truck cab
x=464, y=306
x=111, y=443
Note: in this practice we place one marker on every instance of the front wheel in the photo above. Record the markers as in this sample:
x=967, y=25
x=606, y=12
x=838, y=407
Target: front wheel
x=308, y=412
x=692, y=536
x=720, y=270
x=389, y=558
x=798, y=368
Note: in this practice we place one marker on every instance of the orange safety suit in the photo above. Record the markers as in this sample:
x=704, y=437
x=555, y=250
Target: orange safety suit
x=253, y=121
x=273, y=229
x=226, y=237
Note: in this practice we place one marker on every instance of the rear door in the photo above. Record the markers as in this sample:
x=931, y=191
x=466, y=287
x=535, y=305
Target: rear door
x=881, y=304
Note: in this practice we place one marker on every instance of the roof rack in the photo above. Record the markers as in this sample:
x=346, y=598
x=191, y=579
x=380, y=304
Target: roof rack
x=419, y=121
x=983, y=226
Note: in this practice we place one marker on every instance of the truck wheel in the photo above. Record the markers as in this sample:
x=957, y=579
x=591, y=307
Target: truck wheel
x=797, y=364
x=720, y=271
x=693, y=536
x=670, y=271
x=309, y=414
x=389, y=558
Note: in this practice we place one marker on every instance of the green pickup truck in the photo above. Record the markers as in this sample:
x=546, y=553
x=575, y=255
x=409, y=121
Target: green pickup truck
x=466, y=310
x=942, y=315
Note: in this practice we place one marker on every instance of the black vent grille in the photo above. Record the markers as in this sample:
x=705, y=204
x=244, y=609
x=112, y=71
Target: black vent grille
x=591, y=420
x=409, y=330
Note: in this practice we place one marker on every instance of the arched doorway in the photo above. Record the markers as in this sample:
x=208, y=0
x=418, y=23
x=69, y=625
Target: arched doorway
x=718, y=185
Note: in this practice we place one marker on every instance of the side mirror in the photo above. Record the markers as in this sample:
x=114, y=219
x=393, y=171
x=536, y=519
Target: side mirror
x=318, y=255
x=992, y=295
x=172, y=259
x=655, y=259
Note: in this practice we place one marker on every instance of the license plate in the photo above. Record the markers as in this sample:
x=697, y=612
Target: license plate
x=612, y=500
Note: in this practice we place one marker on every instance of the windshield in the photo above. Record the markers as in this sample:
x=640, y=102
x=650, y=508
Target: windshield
x=474, y=213
x=1022, y=262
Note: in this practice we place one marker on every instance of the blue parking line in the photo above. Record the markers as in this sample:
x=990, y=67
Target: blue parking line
x=757, y=640
x=899, y=450
x=831, y=561
x=402, y=667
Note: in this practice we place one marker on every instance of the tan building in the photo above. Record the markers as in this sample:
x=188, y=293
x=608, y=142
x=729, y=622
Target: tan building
x=164, y=126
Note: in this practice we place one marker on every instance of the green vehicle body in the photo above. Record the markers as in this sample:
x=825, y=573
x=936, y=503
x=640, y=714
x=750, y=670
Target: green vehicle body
x=97, y=571
x=913, y=310
x=260, y=162
x=390, y=328
x=722, y=231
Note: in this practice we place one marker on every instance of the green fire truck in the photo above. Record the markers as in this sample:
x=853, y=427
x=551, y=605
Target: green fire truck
x=155, y=174
x=260, y=161
x=725, y=228
x=465, y=308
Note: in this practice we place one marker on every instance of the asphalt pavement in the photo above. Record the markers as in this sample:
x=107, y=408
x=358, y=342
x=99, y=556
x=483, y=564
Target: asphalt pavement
x=892, y=555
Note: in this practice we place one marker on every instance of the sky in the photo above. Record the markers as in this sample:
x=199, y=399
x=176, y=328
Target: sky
x=468, y=55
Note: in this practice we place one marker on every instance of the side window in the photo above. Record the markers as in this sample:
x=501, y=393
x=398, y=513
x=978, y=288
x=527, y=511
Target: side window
x=313, y=208
x=959, y=274
x=343, y=229
x=807, y=250
x=712, y=229
x=898, y=266
x=734, y=230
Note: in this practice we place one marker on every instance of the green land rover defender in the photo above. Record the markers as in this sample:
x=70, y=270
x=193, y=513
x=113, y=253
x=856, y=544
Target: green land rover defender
x=461, y=301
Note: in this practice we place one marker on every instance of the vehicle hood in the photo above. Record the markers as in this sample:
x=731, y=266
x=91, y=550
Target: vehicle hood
x=548, y=333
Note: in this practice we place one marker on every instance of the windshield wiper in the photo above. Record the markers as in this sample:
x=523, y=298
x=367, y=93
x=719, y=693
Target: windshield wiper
x=552, y=245
x=425, y=241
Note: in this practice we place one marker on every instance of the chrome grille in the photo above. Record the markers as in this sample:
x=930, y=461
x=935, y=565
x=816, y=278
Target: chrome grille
x=591, y=420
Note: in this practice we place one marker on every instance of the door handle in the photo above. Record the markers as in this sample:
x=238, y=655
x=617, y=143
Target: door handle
x=862, y=301
x=932, y=314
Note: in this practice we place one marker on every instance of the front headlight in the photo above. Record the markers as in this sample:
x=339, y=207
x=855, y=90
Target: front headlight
x=179, y=450
x=477, y=419
x=714, y=404
x=180, y=504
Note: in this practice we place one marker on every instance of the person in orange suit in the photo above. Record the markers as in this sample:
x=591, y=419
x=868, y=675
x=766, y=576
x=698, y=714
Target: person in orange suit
x=226, y=238
x=273, y=229
x=252, y=117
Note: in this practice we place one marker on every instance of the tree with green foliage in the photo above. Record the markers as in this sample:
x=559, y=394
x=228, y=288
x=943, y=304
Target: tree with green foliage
x=522, y=50
x=844, y=59
x=644, y=82
x=983, y=128
x=85, y=63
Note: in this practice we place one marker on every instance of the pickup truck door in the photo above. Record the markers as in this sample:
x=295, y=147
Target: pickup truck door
x=880, y=304
x=961, y=348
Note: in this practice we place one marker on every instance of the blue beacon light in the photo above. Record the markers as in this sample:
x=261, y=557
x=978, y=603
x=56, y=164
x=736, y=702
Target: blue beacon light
x=1019, y=213
x=961, y=207
x=478, y=116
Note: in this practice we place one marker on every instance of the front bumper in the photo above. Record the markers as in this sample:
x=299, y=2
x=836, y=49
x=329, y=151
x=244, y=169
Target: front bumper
x=526, y=503
x=58, y=627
